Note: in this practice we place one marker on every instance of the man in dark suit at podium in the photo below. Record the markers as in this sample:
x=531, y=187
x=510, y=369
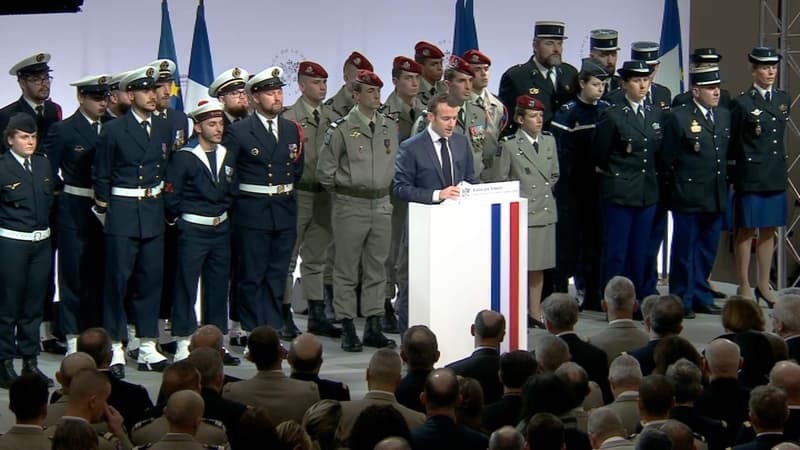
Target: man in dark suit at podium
x=428, y=168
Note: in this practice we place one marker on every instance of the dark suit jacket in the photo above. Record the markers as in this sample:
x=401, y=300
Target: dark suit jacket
x=131, y=400
x=328, y=389
x=793, y=345
x=25, y=198
x=763, y=442
x=725, y=399
x=715, y=431
x=483, y=365
x=418, y=172
x=52, y=114
x=527, y=79
x=645, y=356
x=593, y=360
x=228, y=412
x=410, y=387
x=440, y=432
x=757, y=354
x=791, y=430
x=502, y=412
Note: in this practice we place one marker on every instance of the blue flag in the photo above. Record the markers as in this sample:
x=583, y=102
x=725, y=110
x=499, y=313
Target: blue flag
x=166, y=50
x=465, y=35
x=201, y=71
x=671, y=69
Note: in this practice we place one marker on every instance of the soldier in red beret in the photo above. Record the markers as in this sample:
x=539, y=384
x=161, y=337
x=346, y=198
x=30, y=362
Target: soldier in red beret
x=491, y=105
x=430, y=57
x=343, y=102
x=314, y=234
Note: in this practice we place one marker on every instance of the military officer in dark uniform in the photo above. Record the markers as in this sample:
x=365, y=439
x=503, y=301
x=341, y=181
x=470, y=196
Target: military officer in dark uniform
x=703, y=57
x=694, y=153
x=431, y=58
x=545, y=75
x=342, y=102
x=70, y=146
x=604, y=47
x=628, y=144
x=229, y=89
x=268, y=151
x=198, y=196
x=118, y=101
x=579, y=234
x=26, y=196
x=314, y=234
x=759, y=117
x=129, y=170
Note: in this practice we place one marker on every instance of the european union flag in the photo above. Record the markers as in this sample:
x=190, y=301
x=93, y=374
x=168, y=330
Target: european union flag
x=166, y=50
x=465, y=35
x=671, y=72
x=201, y=71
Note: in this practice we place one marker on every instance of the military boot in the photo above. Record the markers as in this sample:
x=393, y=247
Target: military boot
x=317, y=322
x=389, y=320
x=350, y=341
x=289, y=330
x=373, y=337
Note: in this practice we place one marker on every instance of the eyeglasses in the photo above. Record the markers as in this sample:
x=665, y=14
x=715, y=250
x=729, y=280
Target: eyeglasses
x=40, y=79
x=236, y=93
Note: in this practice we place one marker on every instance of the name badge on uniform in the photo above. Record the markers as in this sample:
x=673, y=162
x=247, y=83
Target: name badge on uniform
x=292, y=151
x=387, y=143
x=254, y=151
x=694, y=127
x=697, y=146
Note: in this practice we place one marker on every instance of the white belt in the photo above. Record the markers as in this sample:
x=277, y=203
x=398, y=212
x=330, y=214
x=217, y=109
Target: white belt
x=79, y=191
x=139, y=193
x=268, y=190
x=205, y=220
x=33, y=236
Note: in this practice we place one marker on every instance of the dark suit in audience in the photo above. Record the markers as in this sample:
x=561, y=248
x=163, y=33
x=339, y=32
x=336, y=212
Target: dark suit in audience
x=592, y=359
x=442, y=432
x=714, y=431
x=410, y=387
x=725, y=399
x=645, y=356
x=764, y=441
x=483, y=365
x=793, y=344
x=328, y=389
x=502, y=412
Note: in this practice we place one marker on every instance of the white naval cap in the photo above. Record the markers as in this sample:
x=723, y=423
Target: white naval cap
x=35, y=63
x=231, y=79
x=166, y=69
x=206, y=109
x=266, y=80
x=141, y=78
x=93, y=84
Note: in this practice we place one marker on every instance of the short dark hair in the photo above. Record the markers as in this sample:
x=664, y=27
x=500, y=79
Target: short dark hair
x=208, y=362
x=672, y=348
x=27, y=396
x=75, y=435
x=375, y=423
x=652, y=438
x=471, y=407
x=769, y=405
x=686, y=379
x=545, y=393
x=489, y=330
x=264, y=346
x=435, y=101
x=255, y=425
x=516, y=367
x=97, y=343
x=667, y=315
x=656, y=394
x=546, y=431
x=178, y=376
x=420, y=347
x=442, y=392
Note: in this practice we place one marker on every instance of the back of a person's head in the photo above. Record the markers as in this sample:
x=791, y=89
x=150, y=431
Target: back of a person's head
x=626, y=371
x=576, y=379
x=787, y=312
x=321, y=421
x=560, y=311
x=184, y=410
x=420, y=348
x=264, y=347
x=393, y=443
x=208, y=363
x=620, y=294
x=666, y=316
x=550, y=351
x=672, y=348
x=769, y=407
x=207, y=336
x=742, y=314
x=71, y=364
x=256, y=425
x=656, y=395
x=723, y=358
x=786, y=375
x=686, y=379
x=179, y=376
x=545, y=432
x=506, y=438
x=292, y=435
x=87, y=383
x=490, y=324
x=647, y=305
x=385, y=367
x=375, y=423
x=96, y=342
x=75, y=435
x=27, y=397
x=679, y=434
x=516, y=367
x=470, y=411
x=441, y=389
x=546, y=393
x=652, y=438
x=305, y=354
x=604, y=423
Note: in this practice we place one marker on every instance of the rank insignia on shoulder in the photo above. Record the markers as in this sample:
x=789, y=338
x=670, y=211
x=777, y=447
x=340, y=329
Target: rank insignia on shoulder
x=756, y=112
x=507, y=138
x=782, y=107
x=694, y=127
x=533, y=91
x=546, y=133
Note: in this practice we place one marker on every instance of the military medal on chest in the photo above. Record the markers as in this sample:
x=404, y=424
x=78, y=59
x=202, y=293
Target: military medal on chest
x=388, y=144
x=757, y=114
x=292, y=151
x=697, y=145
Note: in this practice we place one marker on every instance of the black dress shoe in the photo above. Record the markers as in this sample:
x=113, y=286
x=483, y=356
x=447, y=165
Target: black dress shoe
x=229, y=360
x=7, y=373
x=118, y=370
x=239, y=341
x=54, y=346
x=718, y=294
x=153, y=367
x=389, y=320
x=535, y=323
x=710, y=309
x=132, y=354
x=31, y=367
x=169, y=347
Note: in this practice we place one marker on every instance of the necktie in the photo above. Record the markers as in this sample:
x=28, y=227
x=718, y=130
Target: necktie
x=27, y=165
x=640, y=115
x=372, y=127
x=271, y=129
x=96, y=126
x=462, y=117
x=316, y=117
x=412, y=114
x=710, y=117
x=146, y=127
x=536, y=147
x=551, y=75
x=447, y=168
x=40, y=110
x=767, y=96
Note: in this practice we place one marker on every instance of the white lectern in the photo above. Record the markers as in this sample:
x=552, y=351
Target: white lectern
x=469, y=255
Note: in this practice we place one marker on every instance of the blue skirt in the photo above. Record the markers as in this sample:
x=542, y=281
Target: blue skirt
x=760, y=209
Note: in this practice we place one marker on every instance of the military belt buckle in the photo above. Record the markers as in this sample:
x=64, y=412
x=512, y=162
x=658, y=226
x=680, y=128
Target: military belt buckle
x=216, y=221
x=281, y=188
x=38, y=236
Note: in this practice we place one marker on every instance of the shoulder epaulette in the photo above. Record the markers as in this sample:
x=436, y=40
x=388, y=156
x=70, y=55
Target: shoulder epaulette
x=507, y=137
x=546, y=133
x=109, y=436
x=214, y=423
x=336, y=122
x=391, y=117
x=604, y=103
x=328, y=102
x=143, y=447
x=142, y=423
x=567, y=106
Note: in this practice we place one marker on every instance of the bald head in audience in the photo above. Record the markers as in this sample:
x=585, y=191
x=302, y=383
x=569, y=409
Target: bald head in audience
x=603, y=424
x=506, y=438
x=208, y=363
x=723, y=359
x=624, y=374
x=441, y=394
x=70, y=365
x=393, y=443
x=786, y=446
x=184, y=412
x=384, y=371
x=305, y=355
x=207, y=336
x=786, y=315
x=786, y=375
x=96, y=342
x=619, y=298
x=489, y=328
x=550, y=351
x=89, y=391
x=420, y=349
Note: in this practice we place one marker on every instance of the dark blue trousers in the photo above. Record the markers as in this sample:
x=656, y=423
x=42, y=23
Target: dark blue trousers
x=80, y=283
x=650, y=283
x=203, y=252
x=628, y=231
x=694, y=248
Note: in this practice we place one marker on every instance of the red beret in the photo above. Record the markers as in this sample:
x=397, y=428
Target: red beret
x=477, y=57
x=425, y=49
x=312, y=69
x=460, y=65
x=527, y=101
x=369, y=78
x=407, y=64
x=360, y=61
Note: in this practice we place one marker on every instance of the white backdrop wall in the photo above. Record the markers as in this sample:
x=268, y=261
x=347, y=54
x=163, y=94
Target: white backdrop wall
x=115, y=35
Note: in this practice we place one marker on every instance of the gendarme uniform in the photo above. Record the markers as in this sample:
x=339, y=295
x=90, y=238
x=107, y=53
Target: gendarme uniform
x=759, y=118
x=533, y=161
x=704, y=56
x=106, y=441
x=342, y=102
x=473, y=120
x=210, y=432
x=606, y=41
x=425, y=50
x=179, y=441
x=357, y=163
x=314, y=234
